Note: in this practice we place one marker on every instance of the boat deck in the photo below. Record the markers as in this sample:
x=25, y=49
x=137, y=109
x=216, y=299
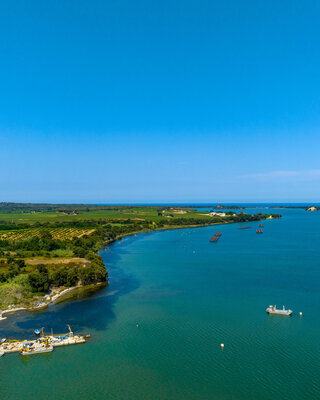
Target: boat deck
x=275, y=311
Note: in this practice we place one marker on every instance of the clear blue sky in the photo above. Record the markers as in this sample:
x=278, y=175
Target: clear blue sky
x=159, y=101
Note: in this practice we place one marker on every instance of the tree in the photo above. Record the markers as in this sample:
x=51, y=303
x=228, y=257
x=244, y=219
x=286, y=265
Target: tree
x=10, y=260
x=21, y=264
x=79, y=252
x=39, y=282
x=42, y=269
x=14, y=270
x=3, y=277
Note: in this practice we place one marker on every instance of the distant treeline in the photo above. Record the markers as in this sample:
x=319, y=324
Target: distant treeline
x=7, y=207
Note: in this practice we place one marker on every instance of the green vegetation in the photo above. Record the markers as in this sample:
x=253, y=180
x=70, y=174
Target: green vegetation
x=45, y=246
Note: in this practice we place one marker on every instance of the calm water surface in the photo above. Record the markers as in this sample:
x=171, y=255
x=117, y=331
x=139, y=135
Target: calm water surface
x=187, y=296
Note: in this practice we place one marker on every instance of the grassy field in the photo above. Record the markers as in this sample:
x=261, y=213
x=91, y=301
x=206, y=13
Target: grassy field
x=138, y=213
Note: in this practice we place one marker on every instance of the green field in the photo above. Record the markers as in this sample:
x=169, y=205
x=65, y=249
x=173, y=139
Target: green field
x=122, y=213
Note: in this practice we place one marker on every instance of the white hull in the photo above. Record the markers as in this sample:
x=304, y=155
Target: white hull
x=271, y=310
x=37, y=351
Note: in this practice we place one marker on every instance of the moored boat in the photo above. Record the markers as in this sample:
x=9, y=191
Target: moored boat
x=29, y=349
x=259, y=231
x=39, y=350
x=273, y=310
x=214, y=238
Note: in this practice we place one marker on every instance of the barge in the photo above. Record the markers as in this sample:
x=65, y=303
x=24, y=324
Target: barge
x=215, y=237
x=43, y=344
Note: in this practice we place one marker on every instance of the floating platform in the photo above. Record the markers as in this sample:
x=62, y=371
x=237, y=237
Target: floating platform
x=215, y=237
x=44, y=344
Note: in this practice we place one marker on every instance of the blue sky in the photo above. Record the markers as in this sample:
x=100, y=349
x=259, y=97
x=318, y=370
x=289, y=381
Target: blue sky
x=160, y=101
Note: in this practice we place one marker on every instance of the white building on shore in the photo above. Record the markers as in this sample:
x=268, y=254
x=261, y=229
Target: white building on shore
x=218, y=214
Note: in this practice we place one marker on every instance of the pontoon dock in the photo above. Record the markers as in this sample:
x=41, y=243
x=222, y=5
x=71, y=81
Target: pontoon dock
x=28, y=347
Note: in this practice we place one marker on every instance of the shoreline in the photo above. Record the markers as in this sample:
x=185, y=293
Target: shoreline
x=180, y=227
x=43, y=303
x=56, y=295
x=171, y=228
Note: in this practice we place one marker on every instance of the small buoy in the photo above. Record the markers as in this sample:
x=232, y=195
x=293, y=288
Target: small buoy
x=193, y=251
x=222, y=345
x=137, y=325
x=300, y=313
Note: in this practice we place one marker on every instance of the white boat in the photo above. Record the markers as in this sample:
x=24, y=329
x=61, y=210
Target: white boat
x=28, y=349
x=273, y=310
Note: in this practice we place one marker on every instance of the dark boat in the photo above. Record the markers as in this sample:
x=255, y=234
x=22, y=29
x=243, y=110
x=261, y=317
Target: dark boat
x=261, y=225
x=244, y=227
x=259, y=231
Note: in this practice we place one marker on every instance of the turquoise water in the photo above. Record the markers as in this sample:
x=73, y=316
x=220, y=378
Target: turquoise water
x=187, y=296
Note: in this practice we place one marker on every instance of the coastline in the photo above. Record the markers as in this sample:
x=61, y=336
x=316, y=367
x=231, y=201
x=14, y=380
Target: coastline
x=119, y=237
x=57, y=296
x=54, y=298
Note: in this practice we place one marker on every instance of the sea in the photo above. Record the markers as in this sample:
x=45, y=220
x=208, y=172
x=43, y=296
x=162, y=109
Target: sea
x=173, y=298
